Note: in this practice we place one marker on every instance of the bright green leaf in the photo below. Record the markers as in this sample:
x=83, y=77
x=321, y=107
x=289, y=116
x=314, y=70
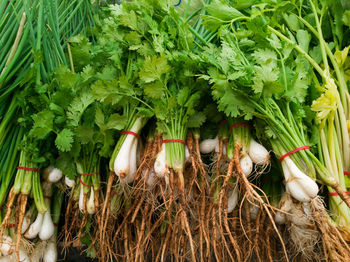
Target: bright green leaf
x=117, y=122
x=64, y=140
x=154, y=90
x=43, y=124
x=153, y=69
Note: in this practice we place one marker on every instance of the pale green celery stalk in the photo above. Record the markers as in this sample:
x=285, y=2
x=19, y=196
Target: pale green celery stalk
x=335, y=164
x=342, y=217
x=343, y=111
x=338, y=208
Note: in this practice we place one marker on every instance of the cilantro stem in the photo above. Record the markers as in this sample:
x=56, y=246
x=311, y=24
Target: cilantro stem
x=298, y=48
x=143, y=102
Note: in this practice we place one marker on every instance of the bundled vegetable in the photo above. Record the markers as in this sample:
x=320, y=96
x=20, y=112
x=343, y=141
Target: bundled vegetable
x=182, y=130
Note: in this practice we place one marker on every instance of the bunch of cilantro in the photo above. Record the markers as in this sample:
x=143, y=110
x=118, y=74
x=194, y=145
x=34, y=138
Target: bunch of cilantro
x=149, y=59
x=272, y=64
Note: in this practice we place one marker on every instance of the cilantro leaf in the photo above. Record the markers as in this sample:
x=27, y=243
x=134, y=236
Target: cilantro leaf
x=78, y=106
x=84, y=134
x=64, y=140
x=66, y=164
x=153, y=69
x=43, y=124
x=183, y=95
x=116, y=121
x=129, y=20
x=154, y=89
x=196, y=120
x=221, y=10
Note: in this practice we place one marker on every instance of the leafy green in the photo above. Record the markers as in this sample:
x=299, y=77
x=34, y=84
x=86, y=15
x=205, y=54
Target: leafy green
x=43, y=124
x=64, y=140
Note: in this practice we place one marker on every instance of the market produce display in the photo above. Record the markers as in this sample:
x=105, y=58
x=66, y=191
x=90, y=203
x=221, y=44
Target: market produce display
x=198, y=130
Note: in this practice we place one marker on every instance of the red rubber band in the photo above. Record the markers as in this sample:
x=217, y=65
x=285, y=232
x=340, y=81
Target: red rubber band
x=1, y=207
x=347, y=173
x=238, y=125
x=10, y=225
x=173, y=141
x=293, y=151
x=94, y=173
x=55, y=224
x=221, y=123
x=130, y=133
x=336, y=194
x=116, y=194
x=47, y=197
x=28, y=169
x=81, y=182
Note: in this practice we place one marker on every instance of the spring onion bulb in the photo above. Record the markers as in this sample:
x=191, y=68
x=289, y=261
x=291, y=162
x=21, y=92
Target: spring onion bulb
x=90, y=206
x=123, y=159
x=23, y=256
x=254, y=210
x=131, y=173
x=258, y=153
x=81, y=199
x=69, y=182
x=50, y=253
x=160, y=167
x=285, y=206
x=208, y=145
x=298, y=184
x=55, y=175
x=26, y=221
x=5, y=245
x=187, y=154
x=280, y=218
x=246, y=165
x=217, y=149
x=35, y=227
x=232, y=200
x=47, y=229
x=151, y=178
x=298, y=217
